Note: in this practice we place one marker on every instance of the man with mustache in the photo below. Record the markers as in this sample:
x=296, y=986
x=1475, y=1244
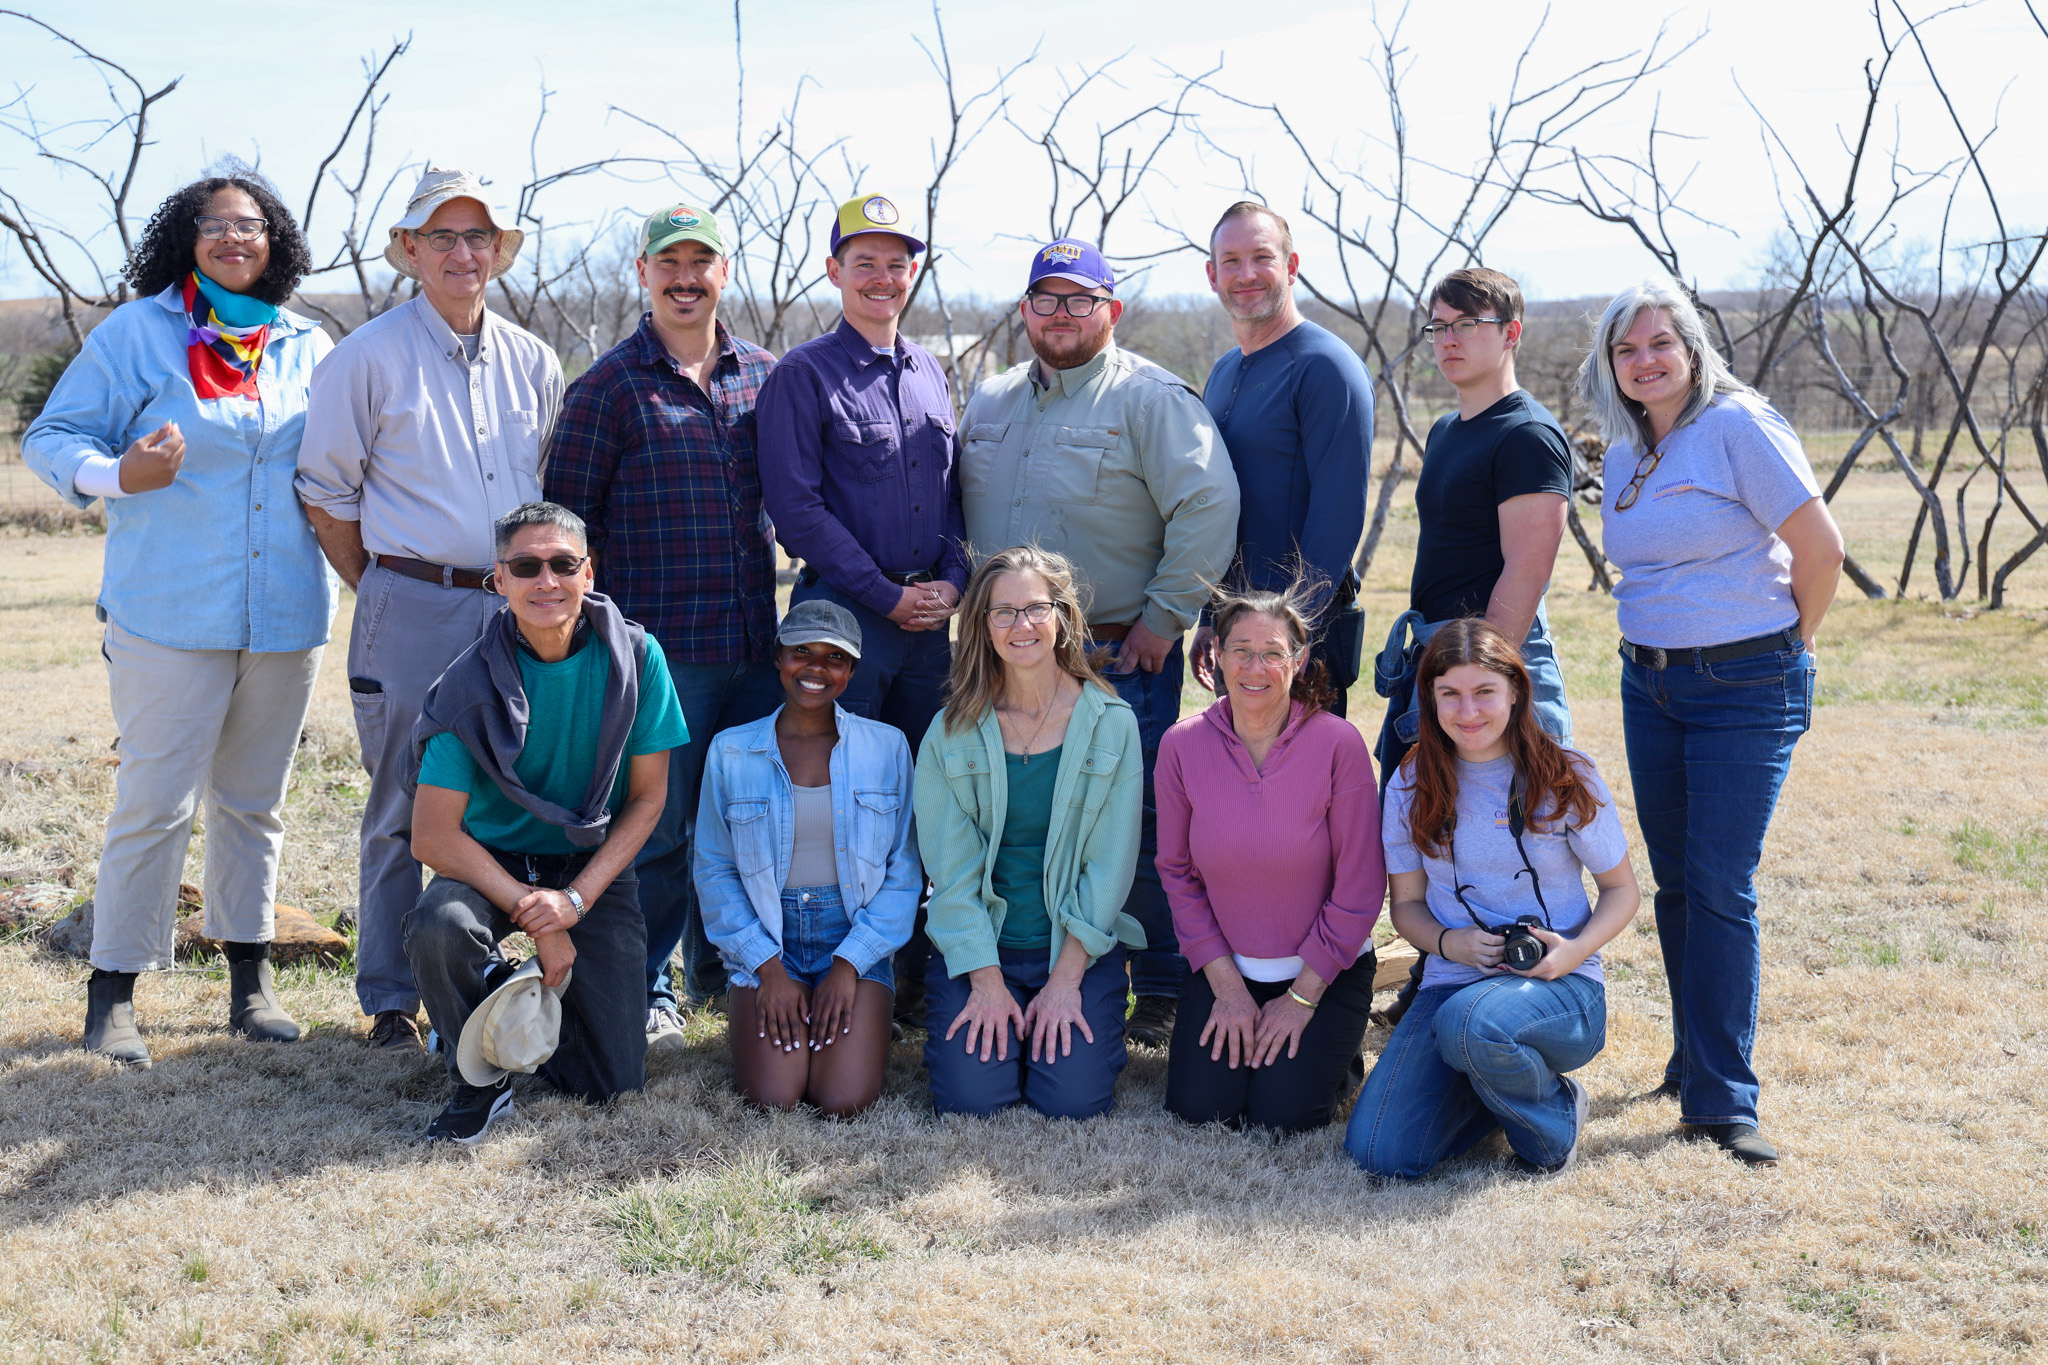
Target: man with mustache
x=1099, y=454
x=857, y=465
x=655, y=452
x=424, y=426
x=1294, y=404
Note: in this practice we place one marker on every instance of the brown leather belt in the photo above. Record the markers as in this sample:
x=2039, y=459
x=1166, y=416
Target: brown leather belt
x=445, y=575
x=1108, y=634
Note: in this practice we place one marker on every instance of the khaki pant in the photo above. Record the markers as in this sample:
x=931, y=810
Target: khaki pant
x=222, y=722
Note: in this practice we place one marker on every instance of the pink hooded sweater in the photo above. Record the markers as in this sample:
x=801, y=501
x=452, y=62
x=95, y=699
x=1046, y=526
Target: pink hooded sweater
x=1283, y=862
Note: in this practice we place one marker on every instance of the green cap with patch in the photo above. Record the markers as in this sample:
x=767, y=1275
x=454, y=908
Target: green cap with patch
x=682, y=223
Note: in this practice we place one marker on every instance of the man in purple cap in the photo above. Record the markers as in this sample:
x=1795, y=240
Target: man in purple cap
x=1113, y=462
x=857, y=449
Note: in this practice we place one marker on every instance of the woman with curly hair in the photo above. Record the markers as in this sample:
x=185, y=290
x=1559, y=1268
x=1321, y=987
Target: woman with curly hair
x=183, y=413
x=1489, y=823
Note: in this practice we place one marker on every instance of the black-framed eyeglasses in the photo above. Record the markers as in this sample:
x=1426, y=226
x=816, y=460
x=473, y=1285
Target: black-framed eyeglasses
x=1461, y=328
x=476, y=239
x=1037, y=613
x=1045, y=304
x=1645, y=467
x=528, y=566
x=212, y=227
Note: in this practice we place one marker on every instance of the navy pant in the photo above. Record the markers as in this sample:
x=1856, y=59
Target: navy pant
x=1079, y=1086
x=714, y=697
x=1158, y=969
x=1708, y=748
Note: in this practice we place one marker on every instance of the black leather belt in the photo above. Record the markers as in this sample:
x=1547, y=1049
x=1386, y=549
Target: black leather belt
x=551, y=870
x=808, y=578
x=1651, y=657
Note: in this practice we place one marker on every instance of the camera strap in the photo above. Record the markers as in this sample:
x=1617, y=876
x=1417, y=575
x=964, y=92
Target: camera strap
x=1517, y=823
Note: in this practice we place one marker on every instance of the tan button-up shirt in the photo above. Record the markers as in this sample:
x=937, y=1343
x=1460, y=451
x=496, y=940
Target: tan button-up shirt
x=1116, y=465
x=423, y=446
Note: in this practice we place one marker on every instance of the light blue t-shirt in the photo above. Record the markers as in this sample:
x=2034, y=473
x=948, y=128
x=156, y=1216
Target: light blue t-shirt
x=1699, y=554
x=1491, y=871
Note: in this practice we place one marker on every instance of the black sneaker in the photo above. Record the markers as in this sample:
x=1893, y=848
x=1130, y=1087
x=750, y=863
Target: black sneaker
x=1739, y=1140
x=1151, y=1023
x=472, y=1112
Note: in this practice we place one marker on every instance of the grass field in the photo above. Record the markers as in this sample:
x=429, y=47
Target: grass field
x=242, y=1203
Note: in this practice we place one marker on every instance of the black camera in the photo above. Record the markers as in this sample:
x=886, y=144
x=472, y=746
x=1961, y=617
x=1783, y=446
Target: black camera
x=1523, y=949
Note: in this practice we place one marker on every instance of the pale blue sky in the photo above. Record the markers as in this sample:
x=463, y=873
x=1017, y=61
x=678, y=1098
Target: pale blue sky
x=276, y=81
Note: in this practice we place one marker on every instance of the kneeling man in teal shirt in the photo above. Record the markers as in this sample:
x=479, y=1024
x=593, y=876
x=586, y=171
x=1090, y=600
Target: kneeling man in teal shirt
x=543, y=765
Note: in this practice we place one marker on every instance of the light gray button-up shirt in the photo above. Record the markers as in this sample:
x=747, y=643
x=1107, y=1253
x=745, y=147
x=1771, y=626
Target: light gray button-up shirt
x=423, y=446
x=1116, y=465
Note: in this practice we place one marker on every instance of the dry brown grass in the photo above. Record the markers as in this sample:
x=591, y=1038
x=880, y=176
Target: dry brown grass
x=238, y=1203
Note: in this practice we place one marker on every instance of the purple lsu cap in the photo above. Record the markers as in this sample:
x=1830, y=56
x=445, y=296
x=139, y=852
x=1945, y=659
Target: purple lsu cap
x=1070, y=258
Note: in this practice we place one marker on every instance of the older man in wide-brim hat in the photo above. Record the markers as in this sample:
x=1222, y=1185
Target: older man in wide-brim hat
x=424, y=426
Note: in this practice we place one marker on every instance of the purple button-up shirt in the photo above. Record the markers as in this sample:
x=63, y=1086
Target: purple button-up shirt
x=857, y=464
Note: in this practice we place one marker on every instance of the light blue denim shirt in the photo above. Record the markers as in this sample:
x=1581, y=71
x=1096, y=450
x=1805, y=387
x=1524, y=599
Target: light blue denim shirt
x=222, y=558
x=746, y=833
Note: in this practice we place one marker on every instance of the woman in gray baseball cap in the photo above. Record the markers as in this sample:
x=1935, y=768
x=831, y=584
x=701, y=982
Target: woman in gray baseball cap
x=808, y=875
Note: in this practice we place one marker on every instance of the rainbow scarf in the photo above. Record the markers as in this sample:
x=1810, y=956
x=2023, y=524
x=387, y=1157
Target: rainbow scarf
x=226, y=340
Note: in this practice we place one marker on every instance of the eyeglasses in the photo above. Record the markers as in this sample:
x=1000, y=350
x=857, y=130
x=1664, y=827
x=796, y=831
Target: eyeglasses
x=561, y=566
x=476, y=239
x=1462, y=328
x=1077, y=305
x=241, y=229
x=1645, y=467
x=1271, y=658
x=1037, y=613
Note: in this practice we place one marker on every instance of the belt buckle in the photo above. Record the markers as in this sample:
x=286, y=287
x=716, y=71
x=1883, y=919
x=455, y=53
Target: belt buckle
x=1652, y=658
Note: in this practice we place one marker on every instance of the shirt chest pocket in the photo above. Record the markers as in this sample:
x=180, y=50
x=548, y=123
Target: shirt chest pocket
x=520, y=432
x=1093, y=778
x=978, y=456
x=874, y=820
x=1071, y=466
x=861, y=447
x=753, y=841
x=968, y=777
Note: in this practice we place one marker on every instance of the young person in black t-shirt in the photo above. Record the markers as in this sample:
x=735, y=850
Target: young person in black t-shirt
x=1491, y=500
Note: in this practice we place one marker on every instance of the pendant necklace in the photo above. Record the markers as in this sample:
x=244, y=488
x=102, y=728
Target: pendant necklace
x=1043, y=717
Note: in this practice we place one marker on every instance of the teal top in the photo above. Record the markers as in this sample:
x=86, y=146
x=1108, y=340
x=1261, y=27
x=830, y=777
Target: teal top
x=1019, y=874
x=566, y=704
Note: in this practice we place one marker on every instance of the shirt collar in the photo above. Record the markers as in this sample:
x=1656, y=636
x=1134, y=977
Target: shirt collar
x=862, y=352
x=650, y=351
x=444, y=336
x=1070, y=382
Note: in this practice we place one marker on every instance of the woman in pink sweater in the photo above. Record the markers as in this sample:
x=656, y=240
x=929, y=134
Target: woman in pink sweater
x=1269, y=848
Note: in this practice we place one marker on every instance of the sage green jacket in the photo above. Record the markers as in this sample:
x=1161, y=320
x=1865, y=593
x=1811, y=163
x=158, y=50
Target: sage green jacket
x=1091, y=843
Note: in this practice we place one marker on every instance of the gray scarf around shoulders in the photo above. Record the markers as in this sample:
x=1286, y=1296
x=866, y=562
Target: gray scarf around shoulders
x=481, y=700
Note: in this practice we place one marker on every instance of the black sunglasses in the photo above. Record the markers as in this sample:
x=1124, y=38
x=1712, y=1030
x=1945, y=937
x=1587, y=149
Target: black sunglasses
x=528, y=566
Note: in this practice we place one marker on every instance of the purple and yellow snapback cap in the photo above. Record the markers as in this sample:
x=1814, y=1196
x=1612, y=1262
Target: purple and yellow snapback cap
x=1070, y=258
x=870, y=213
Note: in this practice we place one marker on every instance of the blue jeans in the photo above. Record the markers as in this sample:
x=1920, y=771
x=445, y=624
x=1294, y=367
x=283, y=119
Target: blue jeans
x=1465, y=1060
x=714, y=697
x=1708, y=748
x=1077, y=1086
x=1394, y=678
x=814, y=924
x=1158, y=968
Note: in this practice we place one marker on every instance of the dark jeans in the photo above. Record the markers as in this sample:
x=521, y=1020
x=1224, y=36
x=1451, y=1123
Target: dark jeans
x=1466, y=1060
x=714, y=697
x=452, y=936
x=1292, y=1094
x=1157, y=969
x=900, y=681
x=1708, y=748
x=1078, y=1086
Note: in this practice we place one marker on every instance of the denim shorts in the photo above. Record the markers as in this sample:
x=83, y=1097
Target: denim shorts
x=814, y=923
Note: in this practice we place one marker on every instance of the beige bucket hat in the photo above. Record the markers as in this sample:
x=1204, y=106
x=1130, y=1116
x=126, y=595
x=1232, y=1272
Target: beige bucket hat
x=516, y=1028
x=437, y=186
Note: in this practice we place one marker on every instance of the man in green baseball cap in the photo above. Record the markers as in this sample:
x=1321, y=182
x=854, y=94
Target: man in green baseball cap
x=655, y=451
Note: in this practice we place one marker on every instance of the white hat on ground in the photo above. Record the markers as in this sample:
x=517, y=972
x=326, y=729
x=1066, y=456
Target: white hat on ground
x=516, y=1028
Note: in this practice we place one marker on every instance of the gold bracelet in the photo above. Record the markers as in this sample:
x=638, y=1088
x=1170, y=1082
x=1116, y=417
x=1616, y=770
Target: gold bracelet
x=1298, y=998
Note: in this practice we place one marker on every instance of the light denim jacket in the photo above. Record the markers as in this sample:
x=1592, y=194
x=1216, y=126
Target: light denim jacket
x=222, y=558
x=746, y=833
x=1091, y=844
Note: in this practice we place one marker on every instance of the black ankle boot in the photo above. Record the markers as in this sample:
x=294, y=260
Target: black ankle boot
x=110, y=1019
x=252, y=996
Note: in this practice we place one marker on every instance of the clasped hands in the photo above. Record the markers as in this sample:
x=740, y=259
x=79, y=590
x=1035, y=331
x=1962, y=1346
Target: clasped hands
x=926, y=606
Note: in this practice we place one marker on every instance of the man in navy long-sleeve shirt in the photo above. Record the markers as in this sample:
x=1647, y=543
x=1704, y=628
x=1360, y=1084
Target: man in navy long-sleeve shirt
x=1294, y=405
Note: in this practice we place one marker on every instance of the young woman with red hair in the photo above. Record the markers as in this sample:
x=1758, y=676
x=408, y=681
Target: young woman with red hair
x=1487, y=826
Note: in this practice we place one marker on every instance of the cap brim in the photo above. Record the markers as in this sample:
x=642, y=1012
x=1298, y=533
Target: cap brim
x=916, y=247
x=509, y=241
x=659, y=244
x=812, y=637
x=1083, y=280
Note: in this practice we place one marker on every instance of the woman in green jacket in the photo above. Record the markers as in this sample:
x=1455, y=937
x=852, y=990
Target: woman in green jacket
x=1028, y=794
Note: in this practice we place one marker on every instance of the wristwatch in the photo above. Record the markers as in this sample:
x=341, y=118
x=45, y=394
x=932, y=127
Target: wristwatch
x=575, y=899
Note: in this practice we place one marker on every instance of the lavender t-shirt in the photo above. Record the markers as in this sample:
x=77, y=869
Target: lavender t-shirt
x=1488, y=867
x=1699, y=554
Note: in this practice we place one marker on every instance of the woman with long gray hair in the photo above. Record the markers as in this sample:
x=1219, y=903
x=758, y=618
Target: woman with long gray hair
x=1729, y=560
